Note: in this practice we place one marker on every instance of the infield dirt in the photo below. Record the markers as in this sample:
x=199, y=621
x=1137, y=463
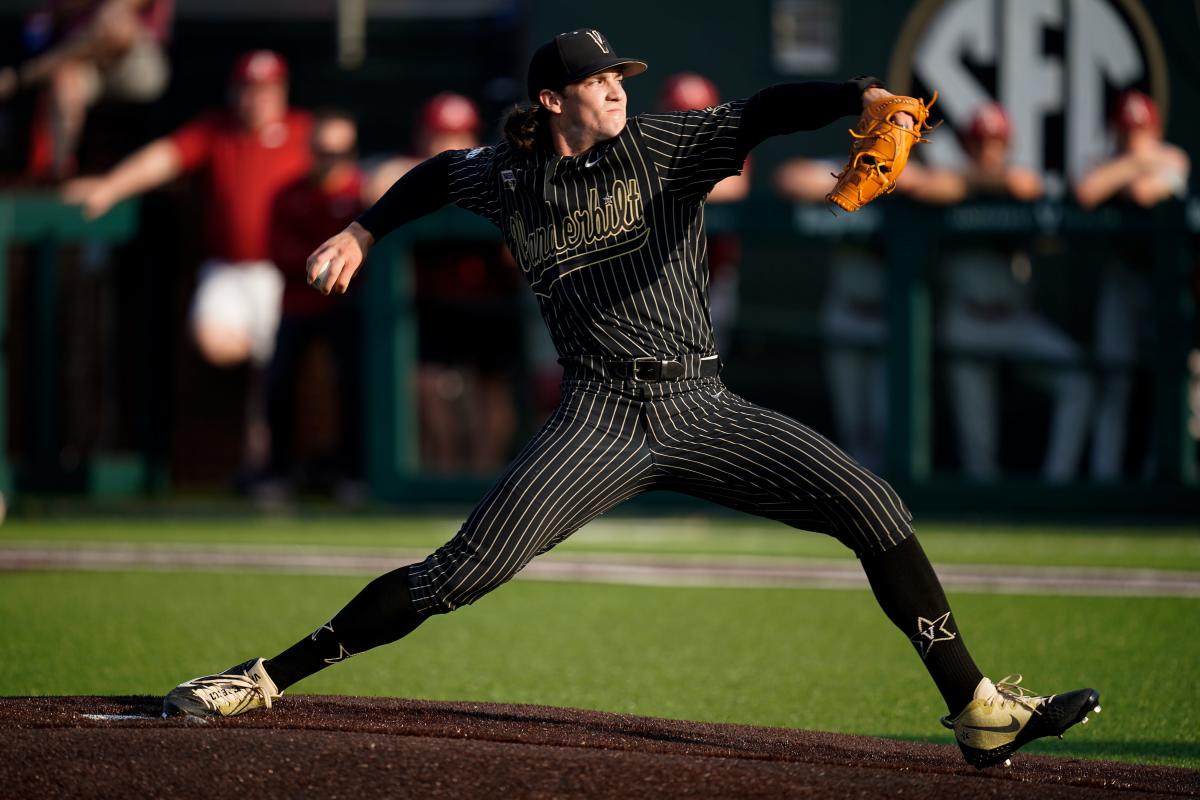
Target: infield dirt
x=344, y=747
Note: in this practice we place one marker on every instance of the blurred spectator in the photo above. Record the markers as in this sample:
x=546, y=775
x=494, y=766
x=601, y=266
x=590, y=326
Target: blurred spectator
x=468, y=317
x=689, y=91
x=1145, y=171
x=447, y=121
x=988, y=316
x=98, y=49
x=853, y=318
x=311, y=209
x=247, y=153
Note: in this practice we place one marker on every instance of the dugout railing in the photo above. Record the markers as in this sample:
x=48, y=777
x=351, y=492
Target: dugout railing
x=912, y=233
x=40, y=224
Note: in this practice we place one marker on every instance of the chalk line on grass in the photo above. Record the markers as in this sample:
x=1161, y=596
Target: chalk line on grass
x=734, y=571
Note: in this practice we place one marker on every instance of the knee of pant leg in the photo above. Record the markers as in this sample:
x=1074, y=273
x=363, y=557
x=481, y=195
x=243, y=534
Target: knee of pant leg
x=430, y=599
x=868, y=516
x=876, y=546
x=425, y=598
x=434, y=591
x=465, y=593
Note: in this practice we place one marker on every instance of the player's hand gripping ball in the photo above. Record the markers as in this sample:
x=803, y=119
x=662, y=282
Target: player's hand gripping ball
x=880, y=150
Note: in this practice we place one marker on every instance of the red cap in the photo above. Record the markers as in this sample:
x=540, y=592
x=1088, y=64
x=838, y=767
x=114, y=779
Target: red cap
x=449, y=112
x=688, y=91
x=990, y=122
x=1136, y=110
x=259, y=66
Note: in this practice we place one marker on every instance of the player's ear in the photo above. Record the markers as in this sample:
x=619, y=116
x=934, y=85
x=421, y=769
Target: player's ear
x=552, y=100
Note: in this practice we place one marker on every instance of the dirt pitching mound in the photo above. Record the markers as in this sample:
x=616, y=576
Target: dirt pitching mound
x=344, y=747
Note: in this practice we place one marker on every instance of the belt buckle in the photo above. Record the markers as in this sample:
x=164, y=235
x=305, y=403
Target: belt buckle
x=637, y=362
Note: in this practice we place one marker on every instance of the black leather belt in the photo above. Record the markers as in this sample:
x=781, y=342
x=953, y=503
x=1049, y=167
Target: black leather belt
x=650, y=369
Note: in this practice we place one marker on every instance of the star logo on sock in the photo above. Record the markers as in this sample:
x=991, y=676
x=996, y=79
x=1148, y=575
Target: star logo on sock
x=342, y=655
x=930, y=632
x=328, y=626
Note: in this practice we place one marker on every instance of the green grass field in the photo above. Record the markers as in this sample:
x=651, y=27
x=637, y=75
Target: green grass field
x=805, y=658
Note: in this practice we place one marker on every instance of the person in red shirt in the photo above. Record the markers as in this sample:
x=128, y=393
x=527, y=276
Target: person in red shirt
x=464, y=382
x=318, y=205
x=447, y=121
x=1144, y=171
x=247, y=154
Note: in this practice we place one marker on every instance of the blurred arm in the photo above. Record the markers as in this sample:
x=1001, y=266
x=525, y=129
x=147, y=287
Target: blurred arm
x=805, y=180
x=731, y=189
x=112, y=30
x=933, y=185
x=151, y=166
x=1015, y=182
x=1022, y=183
x=383, y=176
x=1106, y=180
x=1166, y=178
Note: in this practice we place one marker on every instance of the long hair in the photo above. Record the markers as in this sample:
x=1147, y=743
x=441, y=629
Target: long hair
x=527, y=128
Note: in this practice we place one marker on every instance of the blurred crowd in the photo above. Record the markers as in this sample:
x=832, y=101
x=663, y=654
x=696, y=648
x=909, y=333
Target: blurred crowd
x=275, y=181
x=988, y=317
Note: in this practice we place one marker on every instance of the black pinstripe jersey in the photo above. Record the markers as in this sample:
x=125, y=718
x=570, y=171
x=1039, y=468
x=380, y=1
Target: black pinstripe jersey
x=612, y=241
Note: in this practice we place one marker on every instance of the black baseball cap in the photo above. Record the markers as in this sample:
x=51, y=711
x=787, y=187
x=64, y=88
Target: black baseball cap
x=571, y=57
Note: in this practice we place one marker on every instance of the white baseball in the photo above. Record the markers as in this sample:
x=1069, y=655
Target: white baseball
x=322, y=274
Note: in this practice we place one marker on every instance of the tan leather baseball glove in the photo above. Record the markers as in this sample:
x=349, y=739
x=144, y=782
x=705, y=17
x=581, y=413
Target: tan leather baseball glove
x=879, y=150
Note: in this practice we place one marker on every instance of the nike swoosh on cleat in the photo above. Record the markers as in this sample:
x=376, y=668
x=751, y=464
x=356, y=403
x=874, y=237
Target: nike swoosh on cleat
x=1012, y=727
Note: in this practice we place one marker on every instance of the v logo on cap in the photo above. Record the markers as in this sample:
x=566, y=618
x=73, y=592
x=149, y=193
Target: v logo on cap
x=599, y=40
x=573, y=56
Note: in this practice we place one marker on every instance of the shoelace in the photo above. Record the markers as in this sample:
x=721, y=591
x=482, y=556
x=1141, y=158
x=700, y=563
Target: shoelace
x=1008, y=690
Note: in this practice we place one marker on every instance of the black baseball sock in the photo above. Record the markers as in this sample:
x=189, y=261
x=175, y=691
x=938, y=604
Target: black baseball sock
x=380, y=614
x=909, y=592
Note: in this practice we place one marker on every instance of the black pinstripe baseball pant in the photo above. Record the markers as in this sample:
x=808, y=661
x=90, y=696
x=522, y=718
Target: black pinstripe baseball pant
x=607, y=442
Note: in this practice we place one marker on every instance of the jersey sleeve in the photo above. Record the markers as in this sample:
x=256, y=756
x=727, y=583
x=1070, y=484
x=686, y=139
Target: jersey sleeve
x=693, y=150
x=194, y=141
x=471, y=178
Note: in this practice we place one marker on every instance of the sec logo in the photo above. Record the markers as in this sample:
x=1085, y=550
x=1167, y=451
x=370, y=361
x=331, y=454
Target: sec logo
x=1055, y=65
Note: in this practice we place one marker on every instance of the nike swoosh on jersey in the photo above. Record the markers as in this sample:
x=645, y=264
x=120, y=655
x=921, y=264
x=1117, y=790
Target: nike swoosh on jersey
x=1012, y=727
x=593, y=159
